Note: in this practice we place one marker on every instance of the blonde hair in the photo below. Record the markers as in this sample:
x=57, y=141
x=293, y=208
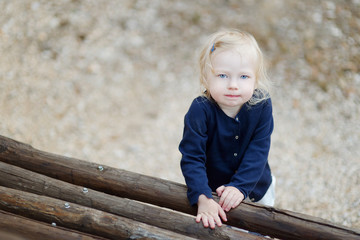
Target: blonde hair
x=235, y=39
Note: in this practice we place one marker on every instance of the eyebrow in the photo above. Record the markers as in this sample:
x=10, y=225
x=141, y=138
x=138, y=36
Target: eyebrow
x=227, y=71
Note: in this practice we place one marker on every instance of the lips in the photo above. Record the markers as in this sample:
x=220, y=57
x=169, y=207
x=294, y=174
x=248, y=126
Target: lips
x=232, y=96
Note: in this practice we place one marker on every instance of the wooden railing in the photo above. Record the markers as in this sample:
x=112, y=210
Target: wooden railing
x=61, y=194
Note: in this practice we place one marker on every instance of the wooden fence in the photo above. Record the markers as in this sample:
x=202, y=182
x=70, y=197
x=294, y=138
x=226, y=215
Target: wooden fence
x=48, y=196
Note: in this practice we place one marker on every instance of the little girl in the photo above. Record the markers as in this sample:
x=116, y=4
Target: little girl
x=227, y=131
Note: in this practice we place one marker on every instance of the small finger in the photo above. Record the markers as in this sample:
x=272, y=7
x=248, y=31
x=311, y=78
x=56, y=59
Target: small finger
x=223, y=197
x=220, y=190
x=205, y=221
x=198, y=218
x=222, y=214
x=229, y=202
x=211, y=222
x=218, y=221
x=238, y=201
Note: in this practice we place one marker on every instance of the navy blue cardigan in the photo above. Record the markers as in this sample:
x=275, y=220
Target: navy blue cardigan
x=220, y=150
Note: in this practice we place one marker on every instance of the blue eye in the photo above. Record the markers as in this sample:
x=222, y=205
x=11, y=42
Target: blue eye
x=244, y=77
x=222, y=76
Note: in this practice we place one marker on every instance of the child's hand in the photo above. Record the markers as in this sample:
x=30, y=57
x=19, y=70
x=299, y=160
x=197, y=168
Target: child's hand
x=230, y=197
x=209, y=212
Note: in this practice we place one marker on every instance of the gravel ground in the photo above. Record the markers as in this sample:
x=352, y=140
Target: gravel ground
x=110, y=82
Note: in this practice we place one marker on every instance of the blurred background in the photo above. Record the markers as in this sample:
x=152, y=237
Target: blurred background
x=110, y=82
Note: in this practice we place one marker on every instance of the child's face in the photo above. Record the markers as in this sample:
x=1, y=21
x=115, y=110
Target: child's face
x=232, y=82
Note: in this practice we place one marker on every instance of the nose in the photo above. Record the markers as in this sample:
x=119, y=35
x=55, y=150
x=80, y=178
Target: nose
x=232, y=84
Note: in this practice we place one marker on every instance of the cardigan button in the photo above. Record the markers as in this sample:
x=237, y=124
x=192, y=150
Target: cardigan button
x=236, y=137
x=235, y=154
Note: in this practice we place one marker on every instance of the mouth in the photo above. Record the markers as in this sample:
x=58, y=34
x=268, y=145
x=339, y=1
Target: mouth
x=232, y=96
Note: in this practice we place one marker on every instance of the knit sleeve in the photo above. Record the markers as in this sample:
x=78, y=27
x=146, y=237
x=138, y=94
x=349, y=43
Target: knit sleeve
x=193, y=150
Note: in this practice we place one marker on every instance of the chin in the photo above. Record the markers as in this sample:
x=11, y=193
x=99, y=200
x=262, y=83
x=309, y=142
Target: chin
x=234, y=104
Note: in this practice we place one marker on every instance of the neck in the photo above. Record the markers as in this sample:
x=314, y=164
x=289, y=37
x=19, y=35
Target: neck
x=231, y=111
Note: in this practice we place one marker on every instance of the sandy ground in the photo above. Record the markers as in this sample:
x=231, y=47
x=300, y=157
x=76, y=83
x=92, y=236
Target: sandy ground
x=110, y=82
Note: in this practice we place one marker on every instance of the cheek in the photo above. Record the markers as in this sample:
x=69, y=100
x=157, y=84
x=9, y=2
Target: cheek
x=248, y=88
x=253, y=83
x=215, y=89
x=211, y=82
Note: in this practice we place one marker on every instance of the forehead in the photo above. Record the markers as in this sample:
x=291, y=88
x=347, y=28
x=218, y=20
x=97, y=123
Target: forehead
x=238, y=58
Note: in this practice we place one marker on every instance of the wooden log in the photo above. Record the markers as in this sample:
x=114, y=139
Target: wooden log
x=265, y=220
x=77, y=217
x=17, y=227
x=25, y=180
